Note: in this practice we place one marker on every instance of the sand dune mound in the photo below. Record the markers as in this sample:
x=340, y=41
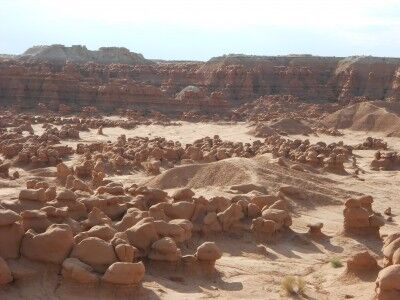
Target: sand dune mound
x=260, y=170
x=222, y=173
x=262, y=130
x=376, y=116
x=282, y=126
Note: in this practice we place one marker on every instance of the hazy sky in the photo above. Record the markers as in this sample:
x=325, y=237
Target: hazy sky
x=185, y=29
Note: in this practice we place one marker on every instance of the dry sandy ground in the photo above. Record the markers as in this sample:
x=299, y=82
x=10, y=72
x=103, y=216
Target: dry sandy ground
x=248, y=269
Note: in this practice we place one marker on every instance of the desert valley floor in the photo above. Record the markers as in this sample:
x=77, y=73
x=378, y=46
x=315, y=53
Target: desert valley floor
x=250, y=267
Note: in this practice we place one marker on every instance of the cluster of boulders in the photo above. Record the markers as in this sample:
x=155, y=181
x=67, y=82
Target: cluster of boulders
x=371, y=144
x=385, y=161
x=320, y=155
x=106, y=240
x=35, y=150
x=107, y=232
x=151, y=154
x=360, y=219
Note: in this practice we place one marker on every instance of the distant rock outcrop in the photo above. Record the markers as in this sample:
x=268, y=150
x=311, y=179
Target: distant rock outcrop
x=80, y=54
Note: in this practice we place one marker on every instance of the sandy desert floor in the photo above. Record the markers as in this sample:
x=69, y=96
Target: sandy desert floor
x=248, y=269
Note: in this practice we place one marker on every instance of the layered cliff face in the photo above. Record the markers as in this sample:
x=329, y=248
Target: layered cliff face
x=114, y=77
x=307, y=77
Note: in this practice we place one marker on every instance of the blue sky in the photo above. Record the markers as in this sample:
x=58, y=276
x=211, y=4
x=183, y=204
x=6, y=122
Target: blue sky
x=199, y=30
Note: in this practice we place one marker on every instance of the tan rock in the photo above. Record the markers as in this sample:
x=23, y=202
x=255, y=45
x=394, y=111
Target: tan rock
x=124, y=273
x=165, y=249
x=74, y=269
x=33, y=195
x=143, y=234
x=125, y=252
x=53, y=245
x=180, y=210
x=208, y=251
x=95, y=252
x=388, y=283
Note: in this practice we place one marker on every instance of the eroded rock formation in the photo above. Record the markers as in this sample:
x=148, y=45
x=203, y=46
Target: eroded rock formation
x=60, y=77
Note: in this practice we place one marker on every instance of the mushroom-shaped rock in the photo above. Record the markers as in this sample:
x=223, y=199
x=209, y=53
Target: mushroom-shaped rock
x=53, y=245
x=74, y=269
x=5, y=273
x=165, y=250
x=208, y=251
x=388, y=283
x=124, y=273
x=95, y=252
x=314, y=229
